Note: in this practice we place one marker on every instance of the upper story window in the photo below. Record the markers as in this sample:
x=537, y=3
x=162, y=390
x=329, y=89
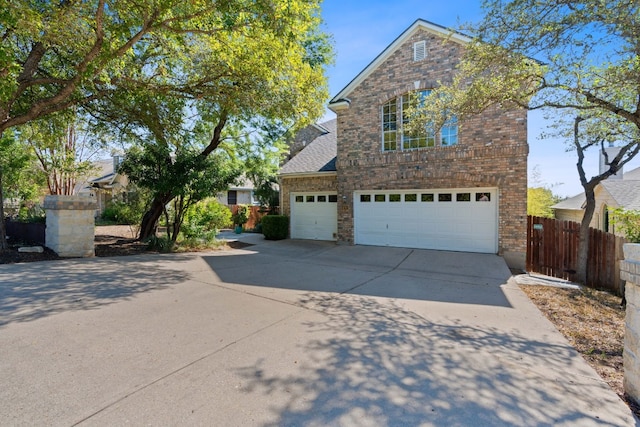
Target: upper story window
x=390, y=125
x=394, y=118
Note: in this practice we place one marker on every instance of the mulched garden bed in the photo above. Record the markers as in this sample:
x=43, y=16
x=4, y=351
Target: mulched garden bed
x=105, y=246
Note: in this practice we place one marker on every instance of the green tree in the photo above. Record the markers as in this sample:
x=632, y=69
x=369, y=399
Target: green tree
x=238, y=57
x=185, y=179
x=64, y=148
x=13, y=161
x=227, y=82
x=577, y=60
x=539, y=201
x=627, y=221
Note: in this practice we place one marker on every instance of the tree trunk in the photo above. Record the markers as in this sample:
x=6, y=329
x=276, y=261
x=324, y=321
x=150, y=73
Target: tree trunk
x=583, y=244
x=151, y=217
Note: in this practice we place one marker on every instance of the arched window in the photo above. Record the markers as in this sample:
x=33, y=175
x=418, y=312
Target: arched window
x=606, y=224
x=394, y=119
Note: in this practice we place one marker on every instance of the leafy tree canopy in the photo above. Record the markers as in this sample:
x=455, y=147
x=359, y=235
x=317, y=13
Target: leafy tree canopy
x=244, y=56
x=65, y=144
x=539, y=202
x=163, y=72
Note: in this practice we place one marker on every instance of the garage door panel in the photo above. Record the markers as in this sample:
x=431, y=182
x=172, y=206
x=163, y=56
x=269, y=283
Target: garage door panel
x=313, y=219
x=464, y=223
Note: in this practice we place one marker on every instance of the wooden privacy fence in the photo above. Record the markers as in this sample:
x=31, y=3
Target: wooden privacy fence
x=255, y=215
x=26, y=232
x=552, y=250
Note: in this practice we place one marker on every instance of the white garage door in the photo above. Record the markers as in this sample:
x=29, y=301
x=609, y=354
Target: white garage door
x=314, y=216
x=457, y=220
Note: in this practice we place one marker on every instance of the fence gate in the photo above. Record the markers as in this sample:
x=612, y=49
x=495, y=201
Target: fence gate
x=552, y=250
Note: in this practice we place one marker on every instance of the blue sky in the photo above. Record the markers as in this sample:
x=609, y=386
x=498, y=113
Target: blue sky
x=362, y=29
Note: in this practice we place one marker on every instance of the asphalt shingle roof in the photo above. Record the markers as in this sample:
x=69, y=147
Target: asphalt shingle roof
x=318, y=156
x=625, y=191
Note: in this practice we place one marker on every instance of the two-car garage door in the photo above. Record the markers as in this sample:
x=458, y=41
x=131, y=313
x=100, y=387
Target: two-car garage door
x=451, y=219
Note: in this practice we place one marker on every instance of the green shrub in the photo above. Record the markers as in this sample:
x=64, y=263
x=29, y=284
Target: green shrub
x=122, y=213
x=204, y=220
x=33, y=214
x=275, y=227
x=161, y=244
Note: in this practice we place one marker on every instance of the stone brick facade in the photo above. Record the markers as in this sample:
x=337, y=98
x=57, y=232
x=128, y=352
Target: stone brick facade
x=630, y=271
x=491, y=151
x=70, y=228
x=314, y=183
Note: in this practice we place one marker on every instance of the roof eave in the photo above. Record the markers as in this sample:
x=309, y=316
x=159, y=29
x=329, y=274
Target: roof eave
x=339, y=105
x=306, y=174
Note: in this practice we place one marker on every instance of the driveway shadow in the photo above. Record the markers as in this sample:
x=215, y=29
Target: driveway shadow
x=303, y=266
x=370, y=363
x=35, y=290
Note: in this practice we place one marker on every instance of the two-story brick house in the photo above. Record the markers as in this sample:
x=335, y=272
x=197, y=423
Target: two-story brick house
x=361, y=180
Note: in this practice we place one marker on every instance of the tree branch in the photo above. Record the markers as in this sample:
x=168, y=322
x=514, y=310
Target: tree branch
x=217, y=132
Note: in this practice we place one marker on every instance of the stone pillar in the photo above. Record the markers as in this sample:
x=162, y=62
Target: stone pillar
x=630, y=271
x=70, y=228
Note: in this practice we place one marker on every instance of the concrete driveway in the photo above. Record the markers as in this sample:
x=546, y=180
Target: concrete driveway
x=287, y=333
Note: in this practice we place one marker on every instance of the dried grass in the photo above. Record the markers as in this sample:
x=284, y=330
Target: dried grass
x=593, y=322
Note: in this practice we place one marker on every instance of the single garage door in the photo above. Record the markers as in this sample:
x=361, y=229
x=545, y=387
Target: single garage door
x=314, y=216
x=457, y=220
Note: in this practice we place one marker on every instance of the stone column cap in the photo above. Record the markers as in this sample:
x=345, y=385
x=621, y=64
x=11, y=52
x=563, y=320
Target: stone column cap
x=631, y=251
x=55, y=202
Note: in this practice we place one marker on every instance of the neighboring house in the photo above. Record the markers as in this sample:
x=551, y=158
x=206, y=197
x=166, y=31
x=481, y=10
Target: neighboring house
x=105, y=184
x=618, y=191
x=360, y=180
x=240, y=194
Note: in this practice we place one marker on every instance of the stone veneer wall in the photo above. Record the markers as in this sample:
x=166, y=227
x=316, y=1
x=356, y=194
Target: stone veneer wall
x=630, y=271
x=70, y=228
x=315, y=183
x=491, y=152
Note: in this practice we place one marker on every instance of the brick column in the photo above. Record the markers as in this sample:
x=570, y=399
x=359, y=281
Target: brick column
x=70, y=228
x=630, y=271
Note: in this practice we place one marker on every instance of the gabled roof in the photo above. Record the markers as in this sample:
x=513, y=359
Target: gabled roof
x=420, y=24
x=318, y=156
x=632, y=175
x=625, y=191
x=103, y=180
x=572, y=203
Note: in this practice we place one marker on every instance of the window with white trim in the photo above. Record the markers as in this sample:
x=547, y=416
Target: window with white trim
x=395, y=118
x=389, y=125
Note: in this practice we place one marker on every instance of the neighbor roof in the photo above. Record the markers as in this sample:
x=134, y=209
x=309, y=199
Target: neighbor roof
x=419, y=24
x=625, y=191
x=318, y=156
x=572, y=203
